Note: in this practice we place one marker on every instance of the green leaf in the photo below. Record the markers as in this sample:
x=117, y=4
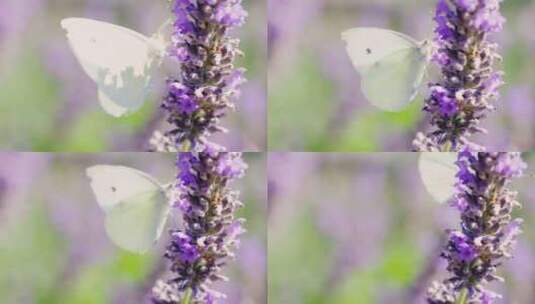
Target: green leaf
x=96, y=283
x=299, y=107
x=28, y=103
x=31, y=256
x=357, y=288
x=132, y=267
x=365, y=130
x=401, y=262
x=97, y=131
x=298, y=262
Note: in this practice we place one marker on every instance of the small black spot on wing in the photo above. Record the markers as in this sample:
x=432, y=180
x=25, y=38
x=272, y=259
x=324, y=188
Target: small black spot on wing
x=113, y=189
x=368, y=51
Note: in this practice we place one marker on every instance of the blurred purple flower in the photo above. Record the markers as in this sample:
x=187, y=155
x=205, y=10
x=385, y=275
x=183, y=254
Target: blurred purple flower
x=522, y=270
x=19, y=171
x=208, y=81
x=15, y=16
x=521, y=104
x=358, y=226
x=287, y=19
x=253, y=255
x=460, y=242
x=77, y=89
x=488, y=232
x=284, y=185
x=251, y=289
x=469, y=86
x=82, y=228
x=200, y=249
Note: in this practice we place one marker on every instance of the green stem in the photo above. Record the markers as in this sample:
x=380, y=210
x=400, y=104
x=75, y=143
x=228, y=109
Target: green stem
x=463, y=297
x=447, y=147
x=186, y=146
x=187, y=296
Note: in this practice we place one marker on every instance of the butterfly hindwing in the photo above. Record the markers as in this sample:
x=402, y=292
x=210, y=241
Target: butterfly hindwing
x=393, y=82
x=438, y=174
x=136, y=223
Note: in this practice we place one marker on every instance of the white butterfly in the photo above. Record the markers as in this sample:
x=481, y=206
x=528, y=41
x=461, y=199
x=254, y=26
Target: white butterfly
x=122, y=62
x=438, y=174
x=136, y=205
x=392, y=65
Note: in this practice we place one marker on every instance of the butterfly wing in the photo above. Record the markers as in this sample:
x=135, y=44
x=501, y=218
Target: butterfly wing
x=391, y=65
x=137, y=222
x=437, y=171
x=113, y=184
x=136, y=205
x=119, y=60
x=393, y=82
x=161, y=39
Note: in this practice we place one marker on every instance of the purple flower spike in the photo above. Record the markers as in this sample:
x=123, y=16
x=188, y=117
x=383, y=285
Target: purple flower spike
x=487, y=233
x=208, y=82
x=198, y=250
x=461, y=244
x=465, y=94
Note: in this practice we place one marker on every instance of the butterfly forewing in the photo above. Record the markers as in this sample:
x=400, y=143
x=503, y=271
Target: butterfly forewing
x=119, y=60
x=113, y=184
x=365, y=45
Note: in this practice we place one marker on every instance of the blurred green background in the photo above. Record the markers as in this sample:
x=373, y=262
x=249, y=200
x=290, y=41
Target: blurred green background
x=47, y=103
x=361, y=228
x=315, y=101
x=54, y=249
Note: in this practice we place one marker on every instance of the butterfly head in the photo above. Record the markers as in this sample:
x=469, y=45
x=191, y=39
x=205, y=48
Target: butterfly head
x=171, y=192
x=426, y=48
x=161, y=40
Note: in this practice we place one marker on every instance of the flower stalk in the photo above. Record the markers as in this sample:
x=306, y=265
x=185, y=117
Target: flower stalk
x=469, y=86
x=187, y=296
x=204, y=90
x=487, y=232
x=463, y=296
x=209, y=234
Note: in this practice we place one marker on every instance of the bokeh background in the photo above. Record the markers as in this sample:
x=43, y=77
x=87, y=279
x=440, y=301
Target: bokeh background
x=315, y=102
x=361, y=228
x=47, y=103
x=54, y=249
